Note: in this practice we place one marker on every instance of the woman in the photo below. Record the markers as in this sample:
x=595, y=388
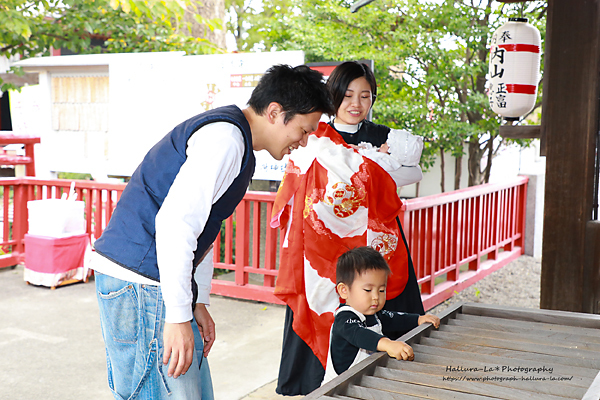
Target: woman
x=332, y=199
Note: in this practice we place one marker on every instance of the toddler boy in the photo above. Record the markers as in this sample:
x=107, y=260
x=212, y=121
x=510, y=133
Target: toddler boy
x=361, y=276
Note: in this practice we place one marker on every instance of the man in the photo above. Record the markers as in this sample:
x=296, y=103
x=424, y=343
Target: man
x=164, y=225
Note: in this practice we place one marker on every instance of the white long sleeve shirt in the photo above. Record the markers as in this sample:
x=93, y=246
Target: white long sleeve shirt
x=214, y=158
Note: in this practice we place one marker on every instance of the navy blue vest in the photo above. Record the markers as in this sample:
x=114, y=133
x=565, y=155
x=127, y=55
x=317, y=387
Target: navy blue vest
x=129, y=238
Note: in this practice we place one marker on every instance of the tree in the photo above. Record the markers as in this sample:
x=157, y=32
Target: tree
x=33, y=28
x=258, y=28
x=430, y=60
x=210, y=23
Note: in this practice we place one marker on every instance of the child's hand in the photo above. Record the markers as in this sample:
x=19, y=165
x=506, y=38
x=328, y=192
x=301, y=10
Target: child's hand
x=432, y=319
x=398, y=350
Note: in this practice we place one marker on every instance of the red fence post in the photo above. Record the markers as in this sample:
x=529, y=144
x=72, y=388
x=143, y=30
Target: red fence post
x=20, y=223
x=522, y=195
x=242, y=241
x=476, y=243
x=270, y=248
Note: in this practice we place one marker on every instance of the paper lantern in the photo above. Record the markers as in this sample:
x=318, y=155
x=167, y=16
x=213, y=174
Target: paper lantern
x=514, y=68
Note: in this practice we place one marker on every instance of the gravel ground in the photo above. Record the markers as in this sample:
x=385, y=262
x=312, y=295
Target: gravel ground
x=516, y=284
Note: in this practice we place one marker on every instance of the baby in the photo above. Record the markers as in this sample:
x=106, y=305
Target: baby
x=361, y=276
x=404, y=147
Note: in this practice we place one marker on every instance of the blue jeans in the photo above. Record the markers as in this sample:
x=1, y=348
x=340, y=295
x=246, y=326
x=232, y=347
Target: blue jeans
x=131, y=315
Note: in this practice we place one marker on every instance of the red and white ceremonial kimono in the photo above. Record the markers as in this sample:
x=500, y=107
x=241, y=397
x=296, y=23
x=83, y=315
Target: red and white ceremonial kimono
x=330, y=200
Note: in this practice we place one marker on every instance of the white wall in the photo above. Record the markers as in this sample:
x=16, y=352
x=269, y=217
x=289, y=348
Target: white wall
x=149, y=94
x=510, y=162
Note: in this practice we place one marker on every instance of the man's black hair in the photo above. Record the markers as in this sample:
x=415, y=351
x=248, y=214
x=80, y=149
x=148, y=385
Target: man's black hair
x=299, y=90
x=343, y=75
x=357, y=261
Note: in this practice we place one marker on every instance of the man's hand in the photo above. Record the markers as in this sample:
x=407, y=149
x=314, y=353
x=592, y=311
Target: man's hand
x=206, y=325
x=179, y=347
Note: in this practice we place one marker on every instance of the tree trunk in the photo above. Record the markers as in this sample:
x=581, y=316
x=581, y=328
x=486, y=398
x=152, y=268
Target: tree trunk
x=208, y=9
x=474, y=163
x=443, y=168
x=457, y=171
x=488, y=166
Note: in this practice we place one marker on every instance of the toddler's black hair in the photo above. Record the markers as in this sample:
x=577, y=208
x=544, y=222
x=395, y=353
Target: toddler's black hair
x=357, y=261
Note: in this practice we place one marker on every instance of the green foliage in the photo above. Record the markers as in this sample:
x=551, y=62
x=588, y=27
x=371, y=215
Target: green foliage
x=32, y=28
x=74, y=175
x=221, y=271
x=258, y=28
x=430, y=61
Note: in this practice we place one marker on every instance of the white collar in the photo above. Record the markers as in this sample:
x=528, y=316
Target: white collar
x=347, y=128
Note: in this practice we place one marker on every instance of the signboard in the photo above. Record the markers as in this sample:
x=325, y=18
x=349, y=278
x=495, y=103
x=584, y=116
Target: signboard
x=149, y=99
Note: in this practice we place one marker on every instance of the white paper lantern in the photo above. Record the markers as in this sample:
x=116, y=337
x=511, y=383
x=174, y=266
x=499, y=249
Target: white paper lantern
x=514, y=68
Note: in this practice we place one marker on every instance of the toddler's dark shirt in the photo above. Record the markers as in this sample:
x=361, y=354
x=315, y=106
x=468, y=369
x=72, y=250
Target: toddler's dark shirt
x=349, y=334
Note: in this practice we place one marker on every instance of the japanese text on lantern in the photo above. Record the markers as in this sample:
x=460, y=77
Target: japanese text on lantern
x=498, y=93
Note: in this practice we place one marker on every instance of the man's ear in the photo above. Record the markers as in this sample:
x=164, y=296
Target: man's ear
x=273, y=111
x=342, y=290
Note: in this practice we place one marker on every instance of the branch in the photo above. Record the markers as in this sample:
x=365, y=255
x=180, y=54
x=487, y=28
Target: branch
x=395, y=71
x=498, y=147
x=437, y=89
x=359, y=4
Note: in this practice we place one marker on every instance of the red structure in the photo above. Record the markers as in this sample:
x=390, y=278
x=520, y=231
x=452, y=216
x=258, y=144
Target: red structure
x=459, y=237
x=8, y=137
x=455, y=238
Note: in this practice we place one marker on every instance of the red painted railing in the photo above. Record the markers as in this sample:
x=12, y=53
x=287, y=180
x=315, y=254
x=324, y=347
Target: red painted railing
x=9, y=137
x=100, y=201
x=479, y=229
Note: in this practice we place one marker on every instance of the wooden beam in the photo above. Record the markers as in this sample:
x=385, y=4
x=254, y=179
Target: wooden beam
x=520, y=131
x=570, y=124
x=27, y=79
x=591, y=271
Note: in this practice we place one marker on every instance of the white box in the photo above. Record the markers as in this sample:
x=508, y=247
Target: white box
x=56, y=218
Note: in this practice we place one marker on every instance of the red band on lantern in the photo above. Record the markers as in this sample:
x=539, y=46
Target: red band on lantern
x=522, y=89
x=530, y=48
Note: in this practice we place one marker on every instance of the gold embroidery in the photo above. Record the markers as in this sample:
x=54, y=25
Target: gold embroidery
x=385, y=244
x=281, y=183
x=313, y=198
x=345, y=199
x=308, y=203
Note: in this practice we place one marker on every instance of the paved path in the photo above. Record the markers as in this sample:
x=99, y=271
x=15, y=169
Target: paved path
x=52, y=348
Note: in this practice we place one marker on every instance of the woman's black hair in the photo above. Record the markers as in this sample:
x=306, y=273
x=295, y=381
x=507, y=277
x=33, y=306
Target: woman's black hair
x=299, y=90
x=343, y=75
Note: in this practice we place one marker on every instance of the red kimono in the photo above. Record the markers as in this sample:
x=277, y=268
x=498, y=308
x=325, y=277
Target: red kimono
x=331, y=200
